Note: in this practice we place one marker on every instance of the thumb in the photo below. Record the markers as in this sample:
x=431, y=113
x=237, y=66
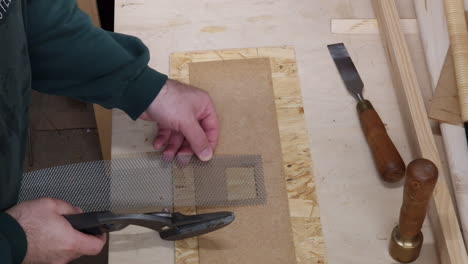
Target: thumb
x=64, y=208
x=198, y=140
x=89, y=245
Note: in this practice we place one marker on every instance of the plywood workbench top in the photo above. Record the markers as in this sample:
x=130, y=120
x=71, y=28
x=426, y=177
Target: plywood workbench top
x=357, y=210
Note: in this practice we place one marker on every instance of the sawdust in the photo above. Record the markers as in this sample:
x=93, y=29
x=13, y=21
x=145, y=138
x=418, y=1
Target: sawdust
x=213, y=29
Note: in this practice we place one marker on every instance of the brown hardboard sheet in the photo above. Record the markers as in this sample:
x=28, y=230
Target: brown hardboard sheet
x=243, y=96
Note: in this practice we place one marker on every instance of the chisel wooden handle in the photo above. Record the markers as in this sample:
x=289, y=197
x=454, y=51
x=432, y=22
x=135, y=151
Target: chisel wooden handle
x=387, y=159
x=421, y=179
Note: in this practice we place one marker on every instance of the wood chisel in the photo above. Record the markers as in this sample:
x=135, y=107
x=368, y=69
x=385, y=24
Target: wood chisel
x=387, y=159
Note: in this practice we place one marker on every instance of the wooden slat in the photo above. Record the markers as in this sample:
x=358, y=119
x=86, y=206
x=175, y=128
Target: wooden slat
x=51, y=112
x=104, y=126
x=434, y=33
x=368, y=26
x=441, y=211
x=62, y=120
x=456, y=22
x=434, y=36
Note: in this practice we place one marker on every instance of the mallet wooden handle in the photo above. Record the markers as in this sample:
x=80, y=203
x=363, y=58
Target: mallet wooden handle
x=387, y=159
x=421, y=178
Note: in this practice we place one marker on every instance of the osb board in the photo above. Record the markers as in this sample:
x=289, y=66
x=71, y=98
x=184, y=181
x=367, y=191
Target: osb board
x=304, y=211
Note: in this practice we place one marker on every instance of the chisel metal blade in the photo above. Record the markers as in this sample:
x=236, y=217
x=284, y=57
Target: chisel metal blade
x=348, y=71
x=388, y=161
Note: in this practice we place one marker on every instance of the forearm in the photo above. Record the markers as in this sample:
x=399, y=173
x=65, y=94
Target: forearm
x=71, y=57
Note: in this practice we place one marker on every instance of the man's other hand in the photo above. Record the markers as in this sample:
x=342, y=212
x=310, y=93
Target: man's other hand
x=51, y=238
x=187, y=121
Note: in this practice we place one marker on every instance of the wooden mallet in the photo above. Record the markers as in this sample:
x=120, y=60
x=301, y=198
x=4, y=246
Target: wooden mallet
x=407, y=238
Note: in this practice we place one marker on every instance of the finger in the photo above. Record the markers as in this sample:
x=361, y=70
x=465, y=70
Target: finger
x=162, y=138
x=63, y=208
x=185, y=149
x=211, y=126
x=173, y=144
x=185, y=153
x=88, y=244
x=195, y=135
x=145, y=117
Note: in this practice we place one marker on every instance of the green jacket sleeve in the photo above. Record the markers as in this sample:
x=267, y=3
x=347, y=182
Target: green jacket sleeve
x=13, y=243
x=71, y=57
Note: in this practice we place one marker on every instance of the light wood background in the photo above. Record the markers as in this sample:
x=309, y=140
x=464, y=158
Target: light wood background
x=357, y=210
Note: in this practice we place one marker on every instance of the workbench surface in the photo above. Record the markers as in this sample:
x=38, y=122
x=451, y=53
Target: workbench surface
x=357, y=210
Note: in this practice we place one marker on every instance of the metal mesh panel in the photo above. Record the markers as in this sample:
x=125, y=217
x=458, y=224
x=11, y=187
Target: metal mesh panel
x=149, y=183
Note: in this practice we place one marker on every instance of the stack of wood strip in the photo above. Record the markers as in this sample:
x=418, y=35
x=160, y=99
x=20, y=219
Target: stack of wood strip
x=442, y=212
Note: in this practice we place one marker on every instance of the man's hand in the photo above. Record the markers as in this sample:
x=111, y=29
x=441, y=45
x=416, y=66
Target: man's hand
x=51, y=238
x=187, y=121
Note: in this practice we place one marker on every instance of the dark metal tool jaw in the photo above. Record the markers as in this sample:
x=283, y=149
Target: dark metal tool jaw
x=171, y=226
